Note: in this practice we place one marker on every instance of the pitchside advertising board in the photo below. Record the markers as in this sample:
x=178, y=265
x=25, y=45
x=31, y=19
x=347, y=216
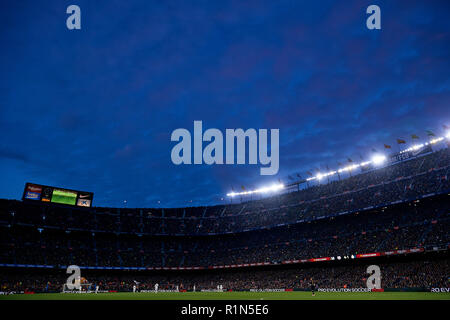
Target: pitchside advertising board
x=41, y=193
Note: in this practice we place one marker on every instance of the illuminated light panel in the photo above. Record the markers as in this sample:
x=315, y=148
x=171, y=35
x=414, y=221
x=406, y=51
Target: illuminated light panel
x=376, y=160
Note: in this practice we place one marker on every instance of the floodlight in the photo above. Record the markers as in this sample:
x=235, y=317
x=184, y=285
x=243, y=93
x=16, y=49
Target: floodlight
x=272, y=188
x=378, y=159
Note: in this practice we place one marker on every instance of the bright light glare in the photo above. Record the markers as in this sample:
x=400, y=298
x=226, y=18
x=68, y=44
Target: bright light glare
x=272, y=188
x=378, y=159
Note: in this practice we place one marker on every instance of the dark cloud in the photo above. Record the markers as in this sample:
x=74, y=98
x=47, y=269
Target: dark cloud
x=13, y=155
x=94, y=109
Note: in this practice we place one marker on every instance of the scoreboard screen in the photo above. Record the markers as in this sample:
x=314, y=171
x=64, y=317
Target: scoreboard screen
x=37, y=192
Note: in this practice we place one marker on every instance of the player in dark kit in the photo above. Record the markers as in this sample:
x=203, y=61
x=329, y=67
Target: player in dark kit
x=313, y=287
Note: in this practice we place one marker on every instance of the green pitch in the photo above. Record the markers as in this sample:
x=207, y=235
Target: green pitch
x=295, y=295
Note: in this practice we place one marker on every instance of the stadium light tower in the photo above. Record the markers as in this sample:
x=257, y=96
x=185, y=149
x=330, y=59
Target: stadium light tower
x=378, y=159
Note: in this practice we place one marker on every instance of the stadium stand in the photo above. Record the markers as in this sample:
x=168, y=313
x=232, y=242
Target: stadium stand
x=412, y=274
x=399, y=209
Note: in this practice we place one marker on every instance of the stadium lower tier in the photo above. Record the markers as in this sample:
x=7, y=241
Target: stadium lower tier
x=415, y=272
x=417, y=225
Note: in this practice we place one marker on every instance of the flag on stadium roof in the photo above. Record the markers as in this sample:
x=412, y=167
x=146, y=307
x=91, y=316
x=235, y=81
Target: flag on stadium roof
x=413, y=136
x=400, y=141
x=387, y=146
x=430, y=133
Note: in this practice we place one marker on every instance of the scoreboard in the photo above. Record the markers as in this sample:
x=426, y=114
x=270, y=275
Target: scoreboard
x=41, y=193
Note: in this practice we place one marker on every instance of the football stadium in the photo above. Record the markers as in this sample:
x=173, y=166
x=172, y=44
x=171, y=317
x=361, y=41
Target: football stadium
x=393, y=214
x=220, y=159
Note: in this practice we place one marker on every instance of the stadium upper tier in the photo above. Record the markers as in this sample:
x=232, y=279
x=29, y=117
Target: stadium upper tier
x=403, y=181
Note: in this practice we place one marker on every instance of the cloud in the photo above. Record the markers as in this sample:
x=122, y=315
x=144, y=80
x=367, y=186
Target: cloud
x=95, y=109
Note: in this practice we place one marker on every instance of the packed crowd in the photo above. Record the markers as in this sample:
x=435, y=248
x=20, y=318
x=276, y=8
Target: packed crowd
x=417, y=224
x=417, y=274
